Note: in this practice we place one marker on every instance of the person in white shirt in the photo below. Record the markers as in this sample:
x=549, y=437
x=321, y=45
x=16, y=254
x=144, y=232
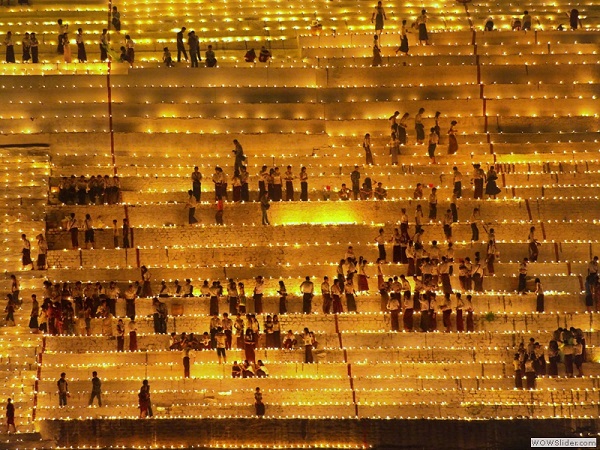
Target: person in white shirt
x=307, y=340
x=191, y=206
x=457, y=182
x=380, y=239
x=307, y=288
x=326, y=293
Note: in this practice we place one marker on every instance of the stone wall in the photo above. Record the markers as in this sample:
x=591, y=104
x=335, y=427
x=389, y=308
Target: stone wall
x=381, y=434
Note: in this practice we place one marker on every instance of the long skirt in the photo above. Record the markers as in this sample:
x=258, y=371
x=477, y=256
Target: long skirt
x=397, y=254
x=408, y=319
x=478, y=188
x=470, y=323
x=395, y=321
x=540, y=303
x=363, y=283
x=81, y=55
x=420, y=130
x=26, y=260
x=518, y=379
x=282, y=305
x=425, y=320
x=432, y=320
x=146, y=289
x=33, y=322
x=491, y=258
x=351, y=302
x=533, y=252
x=289, y=191
x=452, y=144
x=133, y=341
x=411, y=267
x=460, y=326
x=214, y=306
x=34, y=55
x=446, y=285
x=446, y=318
x=402, y=135
x=569, y=364
x=404, y=44
x=337, y=304
x=249, y=353
x=423, y=32
x=553, y=366
x=130, y=55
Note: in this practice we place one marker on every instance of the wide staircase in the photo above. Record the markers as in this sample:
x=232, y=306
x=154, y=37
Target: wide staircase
x=525, y=103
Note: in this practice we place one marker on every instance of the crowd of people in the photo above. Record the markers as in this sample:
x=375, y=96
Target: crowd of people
x=531, y=361
x=95, y=190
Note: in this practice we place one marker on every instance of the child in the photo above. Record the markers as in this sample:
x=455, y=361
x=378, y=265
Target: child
x=167, y=57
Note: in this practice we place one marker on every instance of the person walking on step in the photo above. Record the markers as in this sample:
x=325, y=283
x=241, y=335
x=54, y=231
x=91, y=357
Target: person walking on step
x=26, y=252
x=422, y=26
x=452, y=141
x=181, y=46
x=378, y=17
x=81, y=54
x=96, y=389
x=10, y=416
x=116, y=19
x=403, y=39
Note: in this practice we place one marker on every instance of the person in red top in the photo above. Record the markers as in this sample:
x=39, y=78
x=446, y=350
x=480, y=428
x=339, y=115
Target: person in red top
x=219, y=214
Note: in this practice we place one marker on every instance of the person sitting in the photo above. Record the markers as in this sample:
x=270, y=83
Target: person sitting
x=209, y=57
x=366, y=191
x=316, y=27
x=206, y=341
x=124, y=57
x=247, y=370
x=489, y=24
x=344, y=192
x=264, y=54
x=380, y=192
x=167, y=57
x=175, y=342
x=261, y=370
x=289, y=342
x=236, y=370
x=515, y=24
x=250, y=55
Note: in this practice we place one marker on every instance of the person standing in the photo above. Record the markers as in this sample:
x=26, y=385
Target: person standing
x=67, y=48
x=219, y=214
x=422, y=25
x=258, y=403
x=303, y=184
x=533, y=245
x=96, y=389
x=419, y=127
x=433, y=204
x=307, y=340
x=81, y=54
x=238, y=151
x=258, y=294
x=457, y=182
x=367, y=148
x=539, y=292
x=434, y=138
x=73, y=229
x=62, y=30
x=191, y=207
x=307, y=289
x=34, y=44
x=186, y=348
x=326, y=294
x=523, y=276
x=264, y=207
x=10, y=416
x=88, y=231
x=380, y=240
x=26, y=44
x=355, y=179
x=491, y=188
x=221, y=343
x=196, y=183
x=478, y=181
x=116, y=19
x=130, y=51
x=181, y=46
x=120, y=335
x=63, y=390
x=126, y=229
x=452, y=142
x=26, y=252
x=104, y=45
x=475, y=217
